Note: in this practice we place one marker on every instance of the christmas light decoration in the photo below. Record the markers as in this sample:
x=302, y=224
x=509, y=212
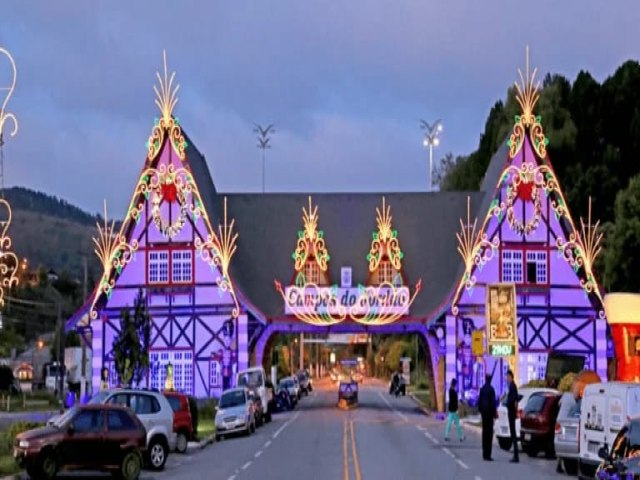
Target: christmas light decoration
x=8, y=260
x=320, y=305
x=525, y=188
x=310, y=241
x=170, y=186
x=394, y=303
x=218, y=250
x=527, y=95
x=166, y=100
x=385, y=241
x=476, y=250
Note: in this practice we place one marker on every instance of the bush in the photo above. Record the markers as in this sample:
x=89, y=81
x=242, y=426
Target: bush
x=535, y=384
x=207, y=408
x=566, y=382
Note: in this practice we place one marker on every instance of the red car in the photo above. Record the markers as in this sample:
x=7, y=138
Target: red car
x=90, y=437
x=182, y=420
x=537, y=428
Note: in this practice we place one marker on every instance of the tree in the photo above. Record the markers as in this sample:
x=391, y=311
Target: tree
x=622, y=262
x=131, y=345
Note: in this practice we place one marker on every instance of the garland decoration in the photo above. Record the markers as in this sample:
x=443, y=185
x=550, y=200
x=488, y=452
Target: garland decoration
x=310, y=242
x=384, y=243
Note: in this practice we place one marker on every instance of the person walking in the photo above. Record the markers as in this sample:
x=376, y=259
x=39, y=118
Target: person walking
x=487, y=407
x=453, y=413
x=512, y=408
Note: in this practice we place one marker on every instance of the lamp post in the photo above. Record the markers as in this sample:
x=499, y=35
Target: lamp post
x=227, y=330
x=263, y=144
x=431, y=139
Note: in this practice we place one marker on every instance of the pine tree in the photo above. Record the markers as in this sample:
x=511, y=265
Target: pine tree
x=131, y=346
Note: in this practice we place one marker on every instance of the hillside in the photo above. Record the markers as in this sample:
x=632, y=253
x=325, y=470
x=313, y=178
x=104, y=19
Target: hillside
x=51, y=233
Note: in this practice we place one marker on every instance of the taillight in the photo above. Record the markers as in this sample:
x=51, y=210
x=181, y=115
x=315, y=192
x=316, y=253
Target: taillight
x=558, y=428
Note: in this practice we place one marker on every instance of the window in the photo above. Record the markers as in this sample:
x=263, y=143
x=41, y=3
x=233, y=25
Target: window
x=89, y=421
x=536, y=267
x=182, y=362
x=512, y=266
x=144, y=404
x=118, y=421
x=158, y=266
x=174, y=402
x=214, y=373
x=181, y=266
x=312, y=272
x=535, y=404
x=385, y=272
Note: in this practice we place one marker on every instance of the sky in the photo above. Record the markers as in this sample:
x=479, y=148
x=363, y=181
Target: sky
x=345, y=83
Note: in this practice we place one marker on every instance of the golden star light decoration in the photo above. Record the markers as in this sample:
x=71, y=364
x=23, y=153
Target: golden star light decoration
x=310, y=241
x=385, y=241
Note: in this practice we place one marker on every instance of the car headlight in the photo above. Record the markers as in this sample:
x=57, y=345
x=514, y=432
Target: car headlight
x=24, y=444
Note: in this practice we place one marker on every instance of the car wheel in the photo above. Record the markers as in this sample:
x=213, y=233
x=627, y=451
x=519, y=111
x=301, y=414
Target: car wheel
x=219, y=438
x=130, y=466
x=48, y=465
x=157, y=455
x=504, y=443
x=182, y=442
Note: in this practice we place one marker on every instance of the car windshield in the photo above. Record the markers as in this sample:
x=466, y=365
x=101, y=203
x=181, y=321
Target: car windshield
x=535, y=404
x=232, y=399
x=63, y=419
x=174, y=402
x=286, y=383
x=250, y=379
x=98, y=398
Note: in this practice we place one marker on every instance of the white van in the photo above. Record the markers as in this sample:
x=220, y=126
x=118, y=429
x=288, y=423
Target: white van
x=255, y=378
x=606, y=407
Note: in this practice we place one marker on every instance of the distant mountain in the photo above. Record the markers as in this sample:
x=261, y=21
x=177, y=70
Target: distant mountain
x=52, y=233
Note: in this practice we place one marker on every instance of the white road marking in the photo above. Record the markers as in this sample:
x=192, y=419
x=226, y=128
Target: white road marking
x=428, y=435
x=462, y=464
x=434, y=440
x=420, y=427
x=232, y=477
x=448, y=452
x=246, y=465
x=258, y=453
x=401, y=415
x=266, y=445
x=478, y=478
x=275, y=435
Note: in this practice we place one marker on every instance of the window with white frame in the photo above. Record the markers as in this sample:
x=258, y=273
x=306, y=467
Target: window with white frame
x=182, y=362
x=214, y=373
x=312, y=272
x=181, y=266
x=536, y=267
x=158, y=266
x=512, y=266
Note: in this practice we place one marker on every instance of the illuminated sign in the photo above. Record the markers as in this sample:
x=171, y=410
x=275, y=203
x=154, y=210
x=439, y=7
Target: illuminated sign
x=502, y=327
x=502, y=350
x=355, y=300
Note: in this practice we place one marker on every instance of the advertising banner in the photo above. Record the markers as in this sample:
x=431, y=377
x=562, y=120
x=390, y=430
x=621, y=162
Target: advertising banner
x=502, y=326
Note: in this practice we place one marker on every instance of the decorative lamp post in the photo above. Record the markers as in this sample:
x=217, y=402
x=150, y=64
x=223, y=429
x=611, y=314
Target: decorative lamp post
x=431, y=139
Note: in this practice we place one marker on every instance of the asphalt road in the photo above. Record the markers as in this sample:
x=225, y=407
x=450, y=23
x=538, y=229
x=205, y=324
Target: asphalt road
x=384, y=438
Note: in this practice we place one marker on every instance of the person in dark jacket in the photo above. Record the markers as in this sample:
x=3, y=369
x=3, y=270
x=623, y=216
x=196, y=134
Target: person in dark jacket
x=487, y=407
x=453, y=413
x=512, y=408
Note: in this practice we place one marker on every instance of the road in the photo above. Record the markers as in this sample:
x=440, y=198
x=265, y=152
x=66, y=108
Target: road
x=384, y=438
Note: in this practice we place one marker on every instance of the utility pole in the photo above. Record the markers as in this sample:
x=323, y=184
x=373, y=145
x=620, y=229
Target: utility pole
x=301, y=351
x=83, y=367
x=59, y=377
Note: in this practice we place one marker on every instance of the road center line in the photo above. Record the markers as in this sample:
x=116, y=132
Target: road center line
x=247, y=465
x=478, y=478
x=258, y=453
x=266, y=445
x=462, y=464
x=232, y=477
x=275, y=435
x=354, y=450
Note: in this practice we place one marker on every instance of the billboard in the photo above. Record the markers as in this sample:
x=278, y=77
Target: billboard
x=502, y=326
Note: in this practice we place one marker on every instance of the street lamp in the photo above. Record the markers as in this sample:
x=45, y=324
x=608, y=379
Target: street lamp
x=263, y=144
x=431, y=133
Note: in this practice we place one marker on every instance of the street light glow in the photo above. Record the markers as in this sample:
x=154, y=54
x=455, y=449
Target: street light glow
x=431, y=132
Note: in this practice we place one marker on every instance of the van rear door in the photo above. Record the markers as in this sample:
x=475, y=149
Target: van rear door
x=592, y=422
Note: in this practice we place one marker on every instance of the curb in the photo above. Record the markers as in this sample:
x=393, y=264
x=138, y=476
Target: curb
x=207, y=441
x=421, y=406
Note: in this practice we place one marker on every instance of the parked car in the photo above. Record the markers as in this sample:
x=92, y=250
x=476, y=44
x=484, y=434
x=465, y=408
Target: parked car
x=304, y=381
x=155, y=413
x=538, y=424
x=605, y=410
x=182, y=421
x=235, y=413
x=501, y=426
x=623, y=460
x=255, y=378
x=566, y=440
x=89, y=437
x=288, y=384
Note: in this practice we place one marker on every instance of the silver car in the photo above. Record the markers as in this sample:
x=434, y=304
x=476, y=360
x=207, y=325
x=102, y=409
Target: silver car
x=155, y=413
x=566, y=437
x=235, y=413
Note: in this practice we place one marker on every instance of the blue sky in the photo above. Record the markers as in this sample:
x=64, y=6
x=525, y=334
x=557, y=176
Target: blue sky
x=345, y=83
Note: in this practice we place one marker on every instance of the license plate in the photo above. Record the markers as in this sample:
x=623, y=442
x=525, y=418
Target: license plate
x=527, y=436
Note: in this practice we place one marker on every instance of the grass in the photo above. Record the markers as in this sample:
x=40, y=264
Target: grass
x=424, y=398
x=8, y=465
x=206, y=427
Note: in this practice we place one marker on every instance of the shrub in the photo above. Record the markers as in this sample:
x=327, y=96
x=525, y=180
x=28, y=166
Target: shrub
x=207, y=408
x=535, y=384
x=566, y=382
